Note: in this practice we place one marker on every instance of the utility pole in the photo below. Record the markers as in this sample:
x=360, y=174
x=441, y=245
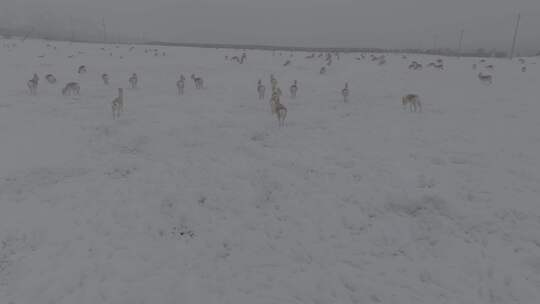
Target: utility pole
x=460, y=41
x=71, y=28
x=515, y=36
x=104, y=30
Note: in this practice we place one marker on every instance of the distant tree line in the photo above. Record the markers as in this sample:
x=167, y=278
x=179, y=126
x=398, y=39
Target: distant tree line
x=480, y=52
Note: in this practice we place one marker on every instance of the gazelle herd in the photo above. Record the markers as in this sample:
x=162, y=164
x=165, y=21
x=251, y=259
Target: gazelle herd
x=409, y=101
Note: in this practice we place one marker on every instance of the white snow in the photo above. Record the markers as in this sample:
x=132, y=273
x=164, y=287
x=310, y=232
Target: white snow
x=202, y=198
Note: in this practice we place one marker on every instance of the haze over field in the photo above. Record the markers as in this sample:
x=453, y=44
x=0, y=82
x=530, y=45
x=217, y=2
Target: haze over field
x=372, y=23
x=134, y=171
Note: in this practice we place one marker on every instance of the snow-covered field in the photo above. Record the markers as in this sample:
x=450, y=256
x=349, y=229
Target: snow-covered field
x=204, y=199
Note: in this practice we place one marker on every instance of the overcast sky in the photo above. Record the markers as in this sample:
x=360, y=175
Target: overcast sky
x=364, y=23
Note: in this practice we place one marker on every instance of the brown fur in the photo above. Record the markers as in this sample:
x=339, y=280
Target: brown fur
x=117, y=104
x=413, y=101
x=71, y=88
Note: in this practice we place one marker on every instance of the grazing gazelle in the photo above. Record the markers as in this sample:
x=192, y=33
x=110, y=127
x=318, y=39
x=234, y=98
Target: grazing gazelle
x=50, y=78
x=82, y=69
x=133, y=80
x=413, y=100
x=486, y=79
x=415, y=66
x=261, y=89
x=294, y=89
x=345, y=92
x=180, y=84
x=117, y=104
x=71, y=88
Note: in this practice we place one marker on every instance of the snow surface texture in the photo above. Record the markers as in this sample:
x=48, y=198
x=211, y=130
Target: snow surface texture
x=202, y=198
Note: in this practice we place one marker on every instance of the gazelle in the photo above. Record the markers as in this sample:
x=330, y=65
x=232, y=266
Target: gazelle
x=133, y=80
x=415, y=66
x=278, y=108
x=273, y=81
x=413, y=100
x=71, y=88
x=345, y=92
x=82, y=69
x=50, y=78
x=117, y=104
x=261, y=89
x=180, y=84
x=276, y=95
x=198, y=82
x=33, y=84
x=486, y=79
x=105, y=78
x=281, y=112
x=293, y=89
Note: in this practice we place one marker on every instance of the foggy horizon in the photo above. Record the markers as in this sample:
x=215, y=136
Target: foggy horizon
x=418, y=24
x=269, y=151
